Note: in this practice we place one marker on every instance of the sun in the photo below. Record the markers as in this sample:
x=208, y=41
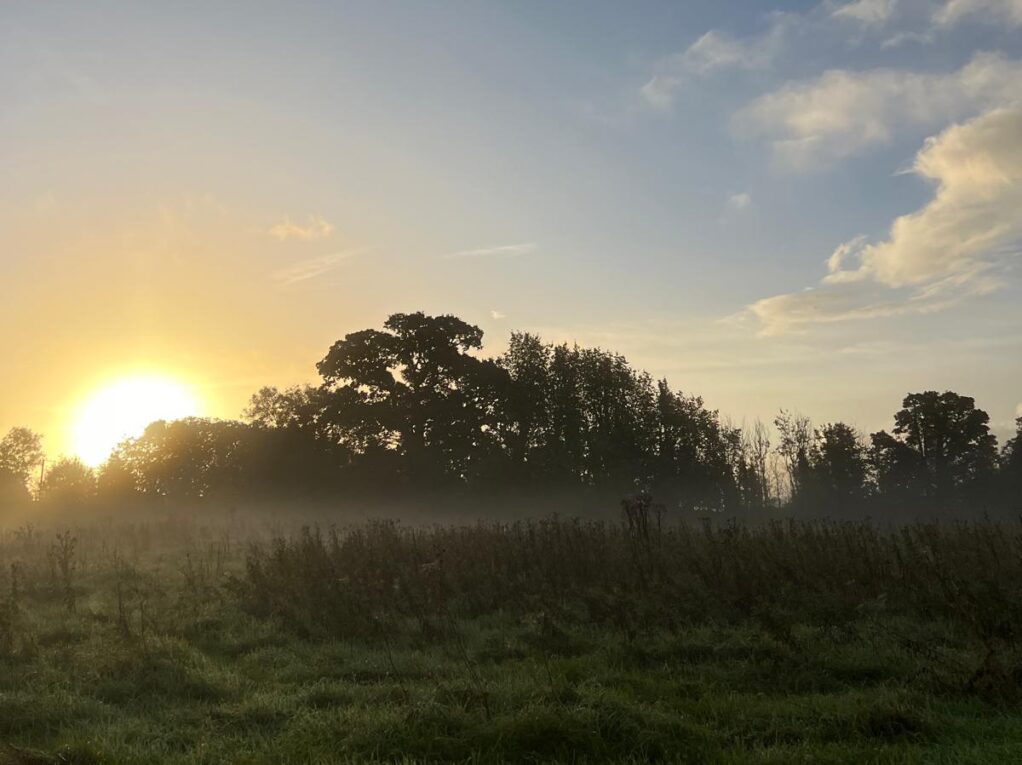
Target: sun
x=123, y=409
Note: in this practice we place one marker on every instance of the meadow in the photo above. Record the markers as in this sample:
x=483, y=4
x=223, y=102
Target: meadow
x=190, y=638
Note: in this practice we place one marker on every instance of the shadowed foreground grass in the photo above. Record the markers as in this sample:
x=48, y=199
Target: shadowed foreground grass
x=178, y=644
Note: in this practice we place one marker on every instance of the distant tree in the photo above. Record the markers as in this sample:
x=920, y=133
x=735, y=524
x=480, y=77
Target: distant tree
x=749, y=457
x=565, y=447
x=796, y=450
x=68, y=482
x=1011, y=468
x=21, y=454
x=1011, y=454
x=116, y=479
x=840, y=466
x=416, y=389
x=575, y=407
x=691, y=466
x=897, y=468
x=941, y=448
x=185, y=459
x=619, y=407
x=297, y=406
x=526, y=429
x=578, y=416
x=583, y=417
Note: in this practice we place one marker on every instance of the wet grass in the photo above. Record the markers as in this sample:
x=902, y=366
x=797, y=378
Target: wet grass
x=705, y=695
x=160, y=659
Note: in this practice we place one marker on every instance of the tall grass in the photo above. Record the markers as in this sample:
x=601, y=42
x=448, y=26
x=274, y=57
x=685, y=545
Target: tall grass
x=193, y=639
x=644, y=575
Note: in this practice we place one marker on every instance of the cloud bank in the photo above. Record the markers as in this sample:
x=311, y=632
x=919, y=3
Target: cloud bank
x=811, y=124
x=957, y=246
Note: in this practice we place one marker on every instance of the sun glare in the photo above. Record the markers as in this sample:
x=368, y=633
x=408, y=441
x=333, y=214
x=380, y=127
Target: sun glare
x=123, y=409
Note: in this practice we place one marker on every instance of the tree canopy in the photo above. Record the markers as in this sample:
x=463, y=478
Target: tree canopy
x=21, y=452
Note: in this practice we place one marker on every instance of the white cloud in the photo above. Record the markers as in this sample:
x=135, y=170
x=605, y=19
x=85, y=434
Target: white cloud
x=1018, y=410
x=840, y=255
x=312, y=267
x=841, y=113
x=497, y=315
x=954, y=11
x=814, y=306
x=314, y=228
x=500, y=250
x=715, y=50
x=951, y=249
x=740, y=201
x=911, y=36
x=712, y=52
x=868, y=12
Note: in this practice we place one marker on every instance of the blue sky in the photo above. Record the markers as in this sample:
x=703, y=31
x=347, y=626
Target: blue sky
x=222, y=191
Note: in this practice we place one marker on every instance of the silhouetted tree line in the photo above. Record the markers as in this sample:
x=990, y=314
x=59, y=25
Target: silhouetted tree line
x=413, y=409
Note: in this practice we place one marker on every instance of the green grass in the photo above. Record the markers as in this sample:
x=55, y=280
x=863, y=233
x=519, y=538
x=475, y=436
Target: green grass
x=160, y=660
x=226, y=687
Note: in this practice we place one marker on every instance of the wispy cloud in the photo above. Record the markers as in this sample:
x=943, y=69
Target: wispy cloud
x=312, y=267
x=868, y=12
x=500, y=250
x=314, y=228
x=714, y=51
x=740, y=201
x=497, y=315
x=840, y=113
x=953, y=248
x=995, y=11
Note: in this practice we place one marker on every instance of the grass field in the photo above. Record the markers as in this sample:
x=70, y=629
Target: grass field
x=187, y=641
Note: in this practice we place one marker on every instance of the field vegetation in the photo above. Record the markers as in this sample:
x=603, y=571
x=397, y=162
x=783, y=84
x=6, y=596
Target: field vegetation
x=645, y=639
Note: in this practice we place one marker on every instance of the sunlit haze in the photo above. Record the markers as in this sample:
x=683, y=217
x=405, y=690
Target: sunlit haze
x=122, y=409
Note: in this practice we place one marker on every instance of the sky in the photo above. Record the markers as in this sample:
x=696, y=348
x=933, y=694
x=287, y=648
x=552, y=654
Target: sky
x=808, y=205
